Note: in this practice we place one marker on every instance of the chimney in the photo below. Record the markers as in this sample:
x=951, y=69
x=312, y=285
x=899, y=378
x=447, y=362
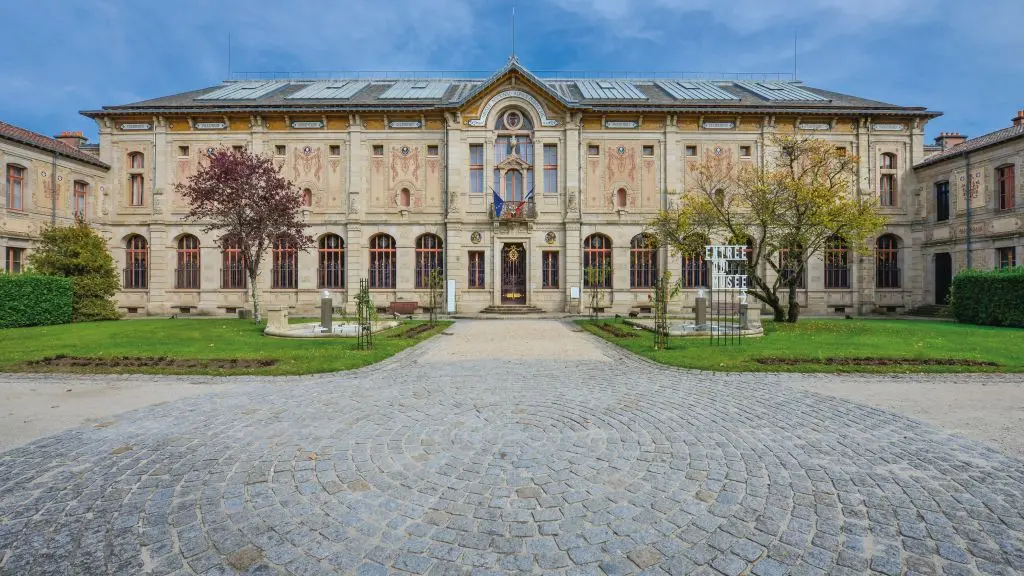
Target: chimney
x=949, y=139
x=1019, y=119
x=73, y=139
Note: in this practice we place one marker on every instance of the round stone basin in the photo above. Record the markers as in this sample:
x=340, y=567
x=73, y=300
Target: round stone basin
x=316, y=330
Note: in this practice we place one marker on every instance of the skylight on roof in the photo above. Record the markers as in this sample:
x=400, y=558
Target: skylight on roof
x=606, y=85
x=610, y=90
x=781, y=91
x=695, y=90
x=329, y=90
x=416, y=89
x=247, y=90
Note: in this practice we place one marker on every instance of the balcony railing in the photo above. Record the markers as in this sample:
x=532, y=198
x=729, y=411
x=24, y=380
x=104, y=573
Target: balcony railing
x=234, y=278
x=136, y=278
x=330, y=277
x=837, y=277
x=186, y=278
x=887, y=276
x=515, y=210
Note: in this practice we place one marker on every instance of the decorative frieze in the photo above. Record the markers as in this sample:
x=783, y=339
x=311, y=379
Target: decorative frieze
x=544, y=120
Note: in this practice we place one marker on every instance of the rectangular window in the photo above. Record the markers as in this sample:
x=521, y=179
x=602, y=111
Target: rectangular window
x=841, y=150
x=787, y=269
x=648, y=150
x=887, y=190
x=476, y=168
x=14, y=260
x=135, y=184
x=593, y=150
x=238, y=148
x=502, y=146
x=1007, y=257
x=476, y=270
x=837, y=264
x=549, y=269
x=744, y=151
x=691, y=150
x=378, y=149
x=551, y=168
x=183, y=151
x=279, y=149
x=15, y=188
x=432, y=150
x=941, y=201
x=1005, y=185
x=335, y=150
x=81, y=189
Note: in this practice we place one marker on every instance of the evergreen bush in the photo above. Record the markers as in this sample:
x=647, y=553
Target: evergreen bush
x=990, y=297
x=34, y=300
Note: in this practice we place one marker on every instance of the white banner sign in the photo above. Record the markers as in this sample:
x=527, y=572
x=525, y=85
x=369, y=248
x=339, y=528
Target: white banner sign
x=137, y=126
x=621, y=124
x=307, y=124
x=406, y=124
x=719, y=125
x=892, y=127
x=211, y=125
x=815, y=126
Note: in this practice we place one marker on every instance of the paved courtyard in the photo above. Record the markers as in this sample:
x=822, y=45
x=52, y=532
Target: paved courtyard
x=510, y=447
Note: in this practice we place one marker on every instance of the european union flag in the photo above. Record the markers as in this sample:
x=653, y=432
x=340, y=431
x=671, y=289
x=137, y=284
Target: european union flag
x=498, y=204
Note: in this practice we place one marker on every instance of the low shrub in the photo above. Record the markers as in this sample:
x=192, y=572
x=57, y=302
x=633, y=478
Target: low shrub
x=34, y=300
x=989, y=297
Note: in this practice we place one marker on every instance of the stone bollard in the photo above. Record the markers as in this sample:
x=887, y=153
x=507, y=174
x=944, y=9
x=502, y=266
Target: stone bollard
x=744, y=323
x=701, y=311
x=277, y=318
x=326, y=311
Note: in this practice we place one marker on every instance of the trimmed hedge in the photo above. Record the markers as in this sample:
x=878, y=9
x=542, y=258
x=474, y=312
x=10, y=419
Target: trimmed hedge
x=33, y=300
x=991, y=297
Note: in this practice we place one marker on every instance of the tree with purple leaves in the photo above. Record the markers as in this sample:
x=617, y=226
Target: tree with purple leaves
x=244, y=198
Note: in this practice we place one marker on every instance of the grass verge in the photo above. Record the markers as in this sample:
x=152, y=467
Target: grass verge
x=196, y=343
x=820, y=345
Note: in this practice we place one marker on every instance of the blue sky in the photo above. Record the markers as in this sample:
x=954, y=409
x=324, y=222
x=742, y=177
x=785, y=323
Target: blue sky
x=962, y=58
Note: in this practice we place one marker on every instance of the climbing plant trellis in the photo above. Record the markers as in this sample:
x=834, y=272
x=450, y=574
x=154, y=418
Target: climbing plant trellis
x=662, y=293
x=365, y=312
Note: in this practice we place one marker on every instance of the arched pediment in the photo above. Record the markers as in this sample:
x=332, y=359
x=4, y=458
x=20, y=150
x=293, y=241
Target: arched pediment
x=506, y=94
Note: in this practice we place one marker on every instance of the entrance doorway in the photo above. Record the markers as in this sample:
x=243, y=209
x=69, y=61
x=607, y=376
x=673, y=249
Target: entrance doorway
x=943, y=277
x=513, y=274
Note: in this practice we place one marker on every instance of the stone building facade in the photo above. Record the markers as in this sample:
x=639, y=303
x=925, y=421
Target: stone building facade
x=986, y=233
x=512, y=185
x=34, y=166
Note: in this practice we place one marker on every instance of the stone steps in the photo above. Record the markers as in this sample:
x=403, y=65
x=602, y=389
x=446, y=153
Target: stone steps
x=512, y=310
x=930, y=311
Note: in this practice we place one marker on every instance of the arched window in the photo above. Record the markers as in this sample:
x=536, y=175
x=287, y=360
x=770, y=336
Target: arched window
x=597, y=261
x=331, y=271
x=429, y=257
x=307, y=197
x=404, y=198
x=136, y=181
x=888, y=161
x=695, y=267
x=186, y=275
x=791, y=260
x=15, y=187
x=837, y=263
x=233, y=276
x=136, y=263
x=79, y=200
x=620, y=198
x=643, y=261
x=887, y=262
x=285, y=271
x=382, y=262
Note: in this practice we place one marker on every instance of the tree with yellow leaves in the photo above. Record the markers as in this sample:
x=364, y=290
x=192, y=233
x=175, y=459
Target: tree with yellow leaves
x=786, y=210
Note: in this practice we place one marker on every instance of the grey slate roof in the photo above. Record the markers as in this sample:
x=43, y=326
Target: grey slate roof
x=584, y=94
x=990, y=139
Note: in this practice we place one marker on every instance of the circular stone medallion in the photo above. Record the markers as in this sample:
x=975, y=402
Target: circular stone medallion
x=550, y=237
x=475, y=237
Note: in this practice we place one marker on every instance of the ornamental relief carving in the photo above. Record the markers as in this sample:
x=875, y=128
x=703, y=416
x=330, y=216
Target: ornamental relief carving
x=307, y=162
x=405, y=163
x=529, y=98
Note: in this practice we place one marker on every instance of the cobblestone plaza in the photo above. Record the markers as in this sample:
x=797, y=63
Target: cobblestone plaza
x=560, y=455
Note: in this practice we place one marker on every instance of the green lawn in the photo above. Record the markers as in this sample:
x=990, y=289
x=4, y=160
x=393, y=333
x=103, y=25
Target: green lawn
x=193, y=339
x=819, y=339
